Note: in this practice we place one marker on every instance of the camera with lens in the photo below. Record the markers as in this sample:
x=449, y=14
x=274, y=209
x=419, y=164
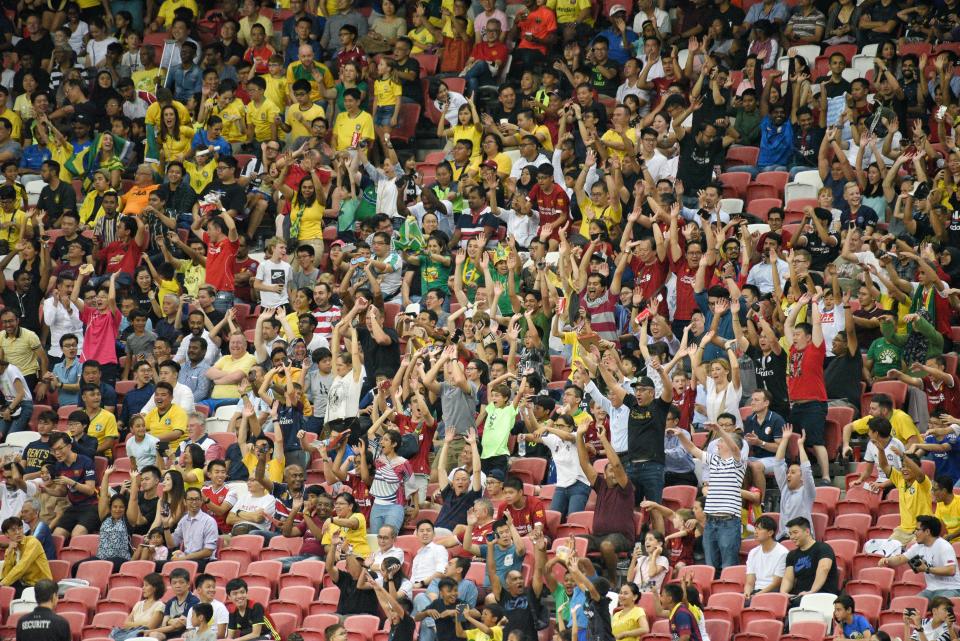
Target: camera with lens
x=916, y=563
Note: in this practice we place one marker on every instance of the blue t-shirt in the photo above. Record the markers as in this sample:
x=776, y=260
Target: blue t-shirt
x=776, y=143
x=947, y=463
x=506, y=560
x=859, y=628
x=71, y=376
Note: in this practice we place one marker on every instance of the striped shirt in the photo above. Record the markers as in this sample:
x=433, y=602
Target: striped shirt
x=389, y=478
x=726, y=480
x=602, y=311
x=326, y=320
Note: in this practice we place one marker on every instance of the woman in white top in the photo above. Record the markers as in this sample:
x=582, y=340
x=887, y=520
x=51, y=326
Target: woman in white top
x=721, y=380
x=253, y=512
x=649, y=571
x=145, y=614
x=573, y=487
x=99, y=40
x=343, y=397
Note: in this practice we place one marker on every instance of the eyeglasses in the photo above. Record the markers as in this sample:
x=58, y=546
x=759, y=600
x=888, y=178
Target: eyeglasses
x=193, y=498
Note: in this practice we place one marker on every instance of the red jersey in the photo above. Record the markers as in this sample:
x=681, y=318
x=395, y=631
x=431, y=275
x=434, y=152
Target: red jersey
x=122, y=257
x=355, y=55
x=421, y=462
x=685, y=403
x=259, y=57
x=361, y=493
x=805, y=373
x=496, y=53
x=326, y=320
x=652, y=277
x=245, y=292
x=478, y=538
x=221, y=262
x=525, y=517
x=539, y=23
x=551, y=207
x=941, y=399
x=216, y=497
x=686, y=276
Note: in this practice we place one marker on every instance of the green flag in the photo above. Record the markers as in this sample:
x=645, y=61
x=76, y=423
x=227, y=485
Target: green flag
x=410, y=238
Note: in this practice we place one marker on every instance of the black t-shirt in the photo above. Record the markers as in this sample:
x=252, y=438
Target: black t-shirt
x=696, y=163
x=402, y=630
x=711, y=111
x=733, y=16
x=377, y=357
x=606, y=86
x=148, y=509
x=804, y=564
x=43, y=624
x=243, y=624
x=646, y=429
x=771, y=373
x=521, y=611
x=94, y=114
x=232, y=196
x=411, y=88
x=842, y=378
x=598, y=619
x=35, y=455
x=40, y=49
x=821, y=254
x=446, y=627
x=834, y=89
x=59, y=251
x=352, y=600
x=55, y=201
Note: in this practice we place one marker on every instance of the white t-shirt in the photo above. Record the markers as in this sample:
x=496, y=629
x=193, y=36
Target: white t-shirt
x=567, y=460
x=271, y=273
x=11, y=374
x=832, y=322
x=937, y=555
x=62, y=321
x=719, y=402
x=343, y=397
x=11, y=502
x=766, y=565
x=249, y=503
x=97, y=50
x=892, y=450
x=220, y=614
x=144, y=452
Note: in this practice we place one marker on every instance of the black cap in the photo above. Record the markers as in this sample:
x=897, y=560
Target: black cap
x=644, y=381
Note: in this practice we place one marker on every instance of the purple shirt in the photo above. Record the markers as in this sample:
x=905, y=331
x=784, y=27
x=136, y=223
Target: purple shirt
x=195, y=533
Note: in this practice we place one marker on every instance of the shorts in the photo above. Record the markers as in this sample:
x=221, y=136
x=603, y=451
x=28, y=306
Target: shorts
x=384, y=116
x=85, y=515
x=620, y=543
x=810, y=416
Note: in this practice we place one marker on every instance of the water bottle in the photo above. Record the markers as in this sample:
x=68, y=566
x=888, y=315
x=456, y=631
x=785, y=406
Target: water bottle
x=355, y=140
x=522, y=445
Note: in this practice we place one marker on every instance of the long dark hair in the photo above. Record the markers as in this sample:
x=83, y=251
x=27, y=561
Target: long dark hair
x=164, y=133
x=303, y=202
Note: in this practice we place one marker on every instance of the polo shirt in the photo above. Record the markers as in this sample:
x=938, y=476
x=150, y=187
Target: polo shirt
x=159, y=424
x=100, y=335
x=776, y=143
x=768, y=431
x=903, y=426
x=914, y=499
x=21, y=350
x=103, y=426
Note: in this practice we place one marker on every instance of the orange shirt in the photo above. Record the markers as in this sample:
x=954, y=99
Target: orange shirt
x=540, y=23
x=136, y=199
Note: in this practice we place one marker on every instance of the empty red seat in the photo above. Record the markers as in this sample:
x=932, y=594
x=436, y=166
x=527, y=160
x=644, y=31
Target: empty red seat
x=326, y=602
x=529, y=470
x=735, y=183
x=767, y=628
x=773, y=601
x=776, y=179
x=744, y=155
x=103, y=623
x=243, y=549
x=813, y=630
x=96, y=574
x=264, y=573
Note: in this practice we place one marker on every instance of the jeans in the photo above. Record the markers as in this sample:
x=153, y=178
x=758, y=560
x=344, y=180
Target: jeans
x=930, y=594
x=288, y=561
x=477, y=76
x=567, y=500
x=216, y=403
x=753, y=170
x=391, y=515
x=18, y=423
x=721, y=542
x=647, y=479
x=428, y=627
x=223, y=302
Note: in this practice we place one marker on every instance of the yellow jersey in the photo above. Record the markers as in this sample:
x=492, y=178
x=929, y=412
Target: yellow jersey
x=422, y=39
x=15, y=120
x=357, y=537
x=153, y=113
x=229, y=364
x=612, y=136
x=568, y=10
x=914, y=499
x=176, y=147
x=166, y=13
x=387, y=93
x=474, y=135
x=300, y=121
x=232, y=115
x=346, y=125
x=146, y=80
x=160, y=425
x=950, y=515
x=903, y=426
x=260, y=118
x=201, y=175
x=297, y=71
x=103, y=426
x=276, y=91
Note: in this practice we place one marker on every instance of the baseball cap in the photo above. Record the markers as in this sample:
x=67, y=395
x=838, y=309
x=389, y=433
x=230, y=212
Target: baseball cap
x=82, y=119
x=617, y=8
x=490, y=164
x=412, y=309
x=337, y=242
x=644, y=381
x=497, y=474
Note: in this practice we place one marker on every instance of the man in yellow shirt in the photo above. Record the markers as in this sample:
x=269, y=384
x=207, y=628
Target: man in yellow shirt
x=16, y=123
x=21, y=348
x=167, y=10
x=881, y=406
x=103, y=424
x=230, y=110
x=227, y=372
x=316, y=73
x=261, y=113
x=352, y=123
x=24, y=562
x=947, y=506
x=914, y=488
x=167, y=422
x=301, y=114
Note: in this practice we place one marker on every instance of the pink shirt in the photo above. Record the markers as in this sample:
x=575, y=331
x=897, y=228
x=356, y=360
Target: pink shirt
x=100, y=337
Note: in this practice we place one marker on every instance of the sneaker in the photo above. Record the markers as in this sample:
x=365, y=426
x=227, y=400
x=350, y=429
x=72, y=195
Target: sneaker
x=823, y=483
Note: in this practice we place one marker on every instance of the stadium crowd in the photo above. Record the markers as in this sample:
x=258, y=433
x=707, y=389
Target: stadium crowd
x=330, y=320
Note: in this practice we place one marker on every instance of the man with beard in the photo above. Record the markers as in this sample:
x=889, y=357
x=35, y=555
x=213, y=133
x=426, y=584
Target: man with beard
x=196, y=328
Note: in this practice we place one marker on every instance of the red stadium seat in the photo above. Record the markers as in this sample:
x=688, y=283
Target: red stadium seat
x=76, y=620
x=285, y=623
x=736, y=573
x=223, y=570
x=282, y=546
x=529, y=470
x=103, y=623
x=773, y=601
x=362, y=626
x=768, y=628
x=406, y=124
x=719, y=629
x=131, y=574
x=243, y=549
x=264, y=573
x=326, y=602
x=813, y=630
x=742, y=156
x=761, y=206
x=96, y=574
x=729, y=601
x=776, y=179
x=735, y=183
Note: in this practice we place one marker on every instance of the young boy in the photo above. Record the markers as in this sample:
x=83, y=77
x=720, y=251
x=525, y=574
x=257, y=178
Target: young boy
x=273, y=274
x=259, y=52
x=247, y=620
x=12, y=217
x=175, y=612
x=489, y=627
x=10, y=175
x=300, y=115
x=335, y=632
x=499, y=416
x=102, y=425
x=201, y=628
x=261, y=113
x=276, y=91
x=507, y=547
